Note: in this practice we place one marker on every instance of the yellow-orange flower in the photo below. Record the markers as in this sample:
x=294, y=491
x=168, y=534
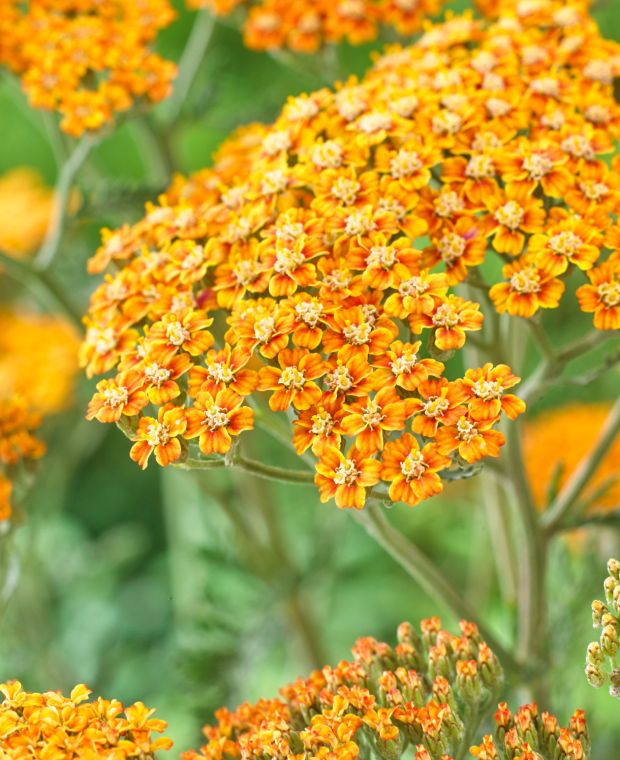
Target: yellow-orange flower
x=411, y=471
x=50, y=726
x=25, y=210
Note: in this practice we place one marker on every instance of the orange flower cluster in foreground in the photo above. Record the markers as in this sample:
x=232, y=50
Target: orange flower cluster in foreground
x=556, y=441
x=317, y=260
x=529, y=735
x=18, y=447
x=411, y=698
x=86, y=59
x=305, y=25
x=38, y=359
x=53, y=727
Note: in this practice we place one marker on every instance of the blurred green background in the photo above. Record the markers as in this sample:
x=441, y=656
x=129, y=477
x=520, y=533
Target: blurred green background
x=147, y=585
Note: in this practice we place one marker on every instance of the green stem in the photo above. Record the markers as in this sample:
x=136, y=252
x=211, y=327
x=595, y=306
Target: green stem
x=542, y=341
x=62, y=194
x=269, y=472
x=425, y=573
x=42, y=286
x=192, y=57
x=569, y=496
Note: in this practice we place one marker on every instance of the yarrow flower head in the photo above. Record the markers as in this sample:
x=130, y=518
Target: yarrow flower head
x=50, y=726
x=317, y=258
x=86, y=59
x=307, y=25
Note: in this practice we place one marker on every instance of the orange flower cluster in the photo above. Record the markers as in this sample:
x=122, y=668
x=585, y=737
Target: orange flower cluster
x=602, y=655
x=53, y=727
x=306, y=25
x=556, y=441
x=315, y=254
x=86, y=59
x=38, y=359
x=18, y=447
x=389, y=698
x=529, y=735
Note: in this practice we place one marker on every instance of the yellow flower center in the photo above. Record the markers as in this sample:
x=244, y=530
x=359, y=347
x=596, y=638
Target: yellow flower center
x=372, y=415
x=413, y=466
x=327, y=155
x=402, y=365
x=338, y=279
x=346, y=474
x=609, y=293
x=156, y=374
x=353, y=9
x=436, y=406
x=193, y=258
x=579, y=147
x=414, y=286
x=292, y=378
x=289, y=232
x=374, y=122
x=157, y=434
x=357, y=334
x=487, y=390
x=246, y=272
x=346, y=190
x=594, y=191
x=216, y=418
x=510, y=215
x=103, y=341
x=309, y=312
x=466, y=430
x=405, y=163
x=322, y=423
x=446, y=122
x=537, y=166
x=288, y=260
x=177, y=333
x=498, y=107
x=448, y=203
x=273, y=182
x=565, y=243
x=339, y=380
x=479, y=166
x=276, y=142
x=116, y=396
x=220, y=372
x=359, y=223
x=381, y=256
x=525, y=281
x=264, y=329
x=446, y=316
x=451, y=247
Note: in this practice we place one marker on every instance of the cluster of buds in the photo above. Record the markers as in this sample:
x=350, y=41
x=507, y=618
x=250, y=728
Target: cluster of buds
x=306, y=25
x=606, y=617
x=385, y=700
x=50, y=726
x=86, y=59
x=530, y=735
x=19, y=447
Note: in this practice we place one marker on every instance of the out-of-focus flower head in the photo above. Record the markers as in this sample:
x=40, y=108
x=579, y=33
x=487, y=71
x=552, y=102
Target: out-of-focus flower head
x=316, y=261
x=50, y=726
x=416, y=694
x=19, y=448
x=556, y=442
x=86, y=59
x=305, y=26
x=531, y=735
x=25, y=209
x=602, y=656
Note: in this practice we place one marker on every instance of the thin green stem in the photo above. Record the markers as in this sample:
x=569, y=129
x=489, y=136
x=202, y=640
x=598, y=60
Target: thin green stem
x=568, y=498
x=192, y=57
x=499, y=530
x=425, y=573
x=62, y=195
x=42, y=286
x=542, y=341
x=269, y=472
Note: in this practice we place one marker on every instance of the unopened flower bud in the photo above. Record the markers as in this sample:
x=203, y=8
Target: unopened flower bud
x=609, y=640
x=430, y=628
x=609, y=585
x=614, y=683
x=595, y=654
x=598, y=610
x=613, y=568
x=579, y=729
x=489, y=666
x=468, y=681
x=596, y=677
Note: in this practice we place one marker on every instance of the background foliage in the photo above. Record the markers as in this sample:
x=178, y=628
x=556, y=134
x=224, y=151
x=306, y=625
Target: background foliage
x=143, y=585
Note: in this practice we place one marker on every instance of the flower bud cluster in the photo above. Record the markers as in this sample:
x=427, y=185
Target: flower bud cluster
x=602, y=655
x=50, y=726
x=384, y=700
x=85, y=59
x=530, y=735
x=306, y=25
